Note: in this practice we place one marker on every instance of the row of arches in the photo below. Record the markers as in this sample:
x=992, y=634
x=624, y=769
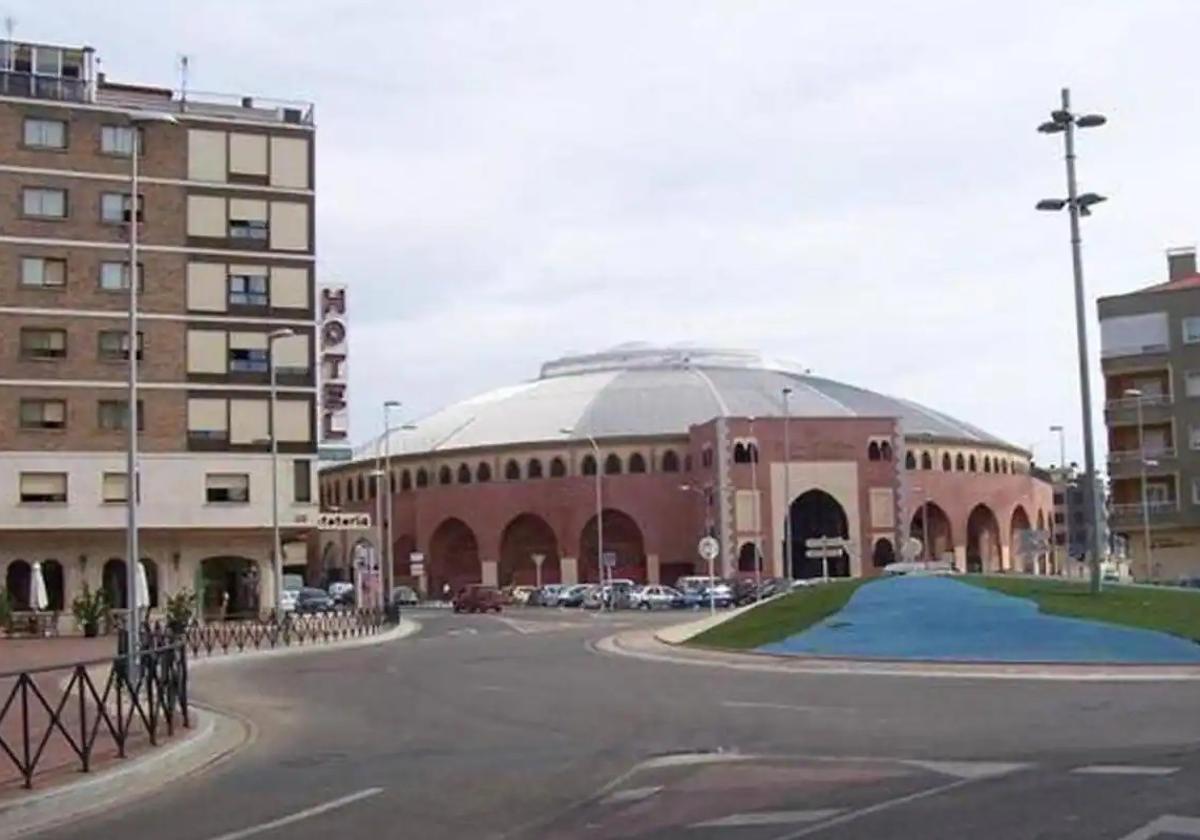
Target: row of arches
x=19, y=576
x=982, y=533
x=363, y=487
x=962, y=463
x=879, y=450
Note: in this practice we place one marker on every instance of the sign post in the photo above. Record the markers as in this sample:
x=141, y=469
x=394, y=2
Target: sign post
x=823, y=548
x=709, y=550
x=538, y=560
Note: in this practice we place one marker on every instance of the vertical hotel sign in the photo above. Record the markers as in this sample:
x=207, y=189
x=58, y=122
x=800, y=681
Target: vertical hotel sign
x=332, y=356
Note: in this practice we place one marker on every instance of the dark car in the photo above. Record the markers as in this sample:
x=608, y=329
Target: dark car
x=310, y=600
x=405, y=596
x=478, y=598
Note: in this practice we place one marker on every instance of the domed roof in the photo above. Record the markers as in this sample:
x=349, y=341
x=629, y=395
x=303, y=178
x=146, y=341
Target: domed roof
x=637, y=390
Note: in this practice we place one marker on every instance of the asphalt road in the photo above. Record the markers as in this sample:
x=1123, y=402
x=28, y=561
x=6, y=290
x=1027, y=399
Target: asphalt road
x=514, y=727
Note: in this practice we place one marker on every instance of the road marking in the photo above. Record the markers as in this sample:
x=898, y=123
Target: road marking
x=1167, y=824
x=631, y=795
x=768, y=818
x=316, y=810
x=463, y=631
x=873, y=809
x=969, y=769
x=1124, y=770
x=739, y=704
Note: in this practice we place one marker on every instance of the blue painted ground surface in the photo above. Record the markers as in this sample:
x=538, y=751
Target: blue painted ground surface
x=937, y=618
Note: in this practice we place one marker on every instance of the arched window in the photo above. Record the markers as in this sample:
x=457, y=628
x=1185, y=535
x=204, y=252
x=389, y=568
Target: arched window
x=534, y=468
x=612, y=464
x=873, y=451
x=362, y=489
x=987, y=463
x=464, y=474
x=971, y=464
x=670, y=461
x=372, y=486
x=637, y=464
x=405, y=481
x=422, y=477
x=960, y=463
x=483, y=472
x=392, y=481
x=926, y=461
x=558, y=469
x=1004, y=465
x=445, y=476
x=512, y=471
x=588, y=465
x=151, y=580
x=885, y=451
x=687, y=462
x=752, y=448
x=946, y=461
x=349, y=489
x=741, y=455
x=910, y=461
x=52, y=574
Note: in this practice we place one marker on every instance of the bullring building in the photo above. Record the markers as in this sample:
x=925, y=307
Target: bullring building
x=687, y=441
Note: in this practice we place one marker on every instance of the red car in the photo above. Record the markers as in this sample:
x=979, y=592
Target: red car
x=478, y=598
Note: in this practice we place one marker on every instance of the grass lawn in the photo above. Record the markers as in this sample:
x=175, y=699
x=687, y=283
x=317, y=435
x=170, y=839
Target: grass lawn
x=1169, y=610
x=780, y=618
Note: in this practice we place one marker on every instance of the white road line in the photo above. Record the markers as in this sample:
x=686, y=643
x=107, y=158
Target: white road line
x=630, y=795
x=1124, y=770
x=739, y=704
x=969, y=769
x=316, y=810
x=768, y=818
x=1167, y=824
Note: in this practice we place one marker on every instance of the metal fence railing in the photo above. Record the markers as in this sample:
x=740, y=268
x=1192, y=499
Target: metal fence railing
x=73, y=714
x=270, y=631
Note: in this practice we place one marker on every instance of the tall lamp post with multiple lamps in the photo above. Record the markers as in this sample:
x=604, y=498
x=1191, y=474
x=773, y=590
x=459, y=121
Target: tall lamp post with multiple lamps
x=1064, y=121
x=599, y=505
x=137, y=120
x=276, y=545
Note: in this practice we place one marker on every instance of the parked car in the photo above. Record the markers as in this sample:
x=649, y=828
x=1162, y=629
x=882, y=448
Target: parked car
x=521, y=594
x=405, y=596
x=341, y=593
x=287, y=600
x=572, y=596
x=478, y=598
x=547, y=596
x=312, y=600
x=594, y=597
x=656, y=597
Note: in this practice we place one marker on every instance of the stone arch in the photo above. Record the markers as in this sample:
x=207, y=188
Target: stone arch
x=1019, y=521
x=748, y=558
x=534, y=468
x=445, y=475
x=670, y=461
x=360, y=488
x=612, y=464
x=402, y=548
x=231, y=586
x=983, y=540
x=483, y=473
x=960, y=463
x=350, y=489
x=926, y=461
x=941, y=538
x=946, y=465
x=637, y=463
x=622, y=536
x=55, y=580
x=873, y=451
x=885, y=451
x=525, y=535
x=331, y=556
x=112, y=581
x=464, y=474
x=512, y=470
x=405, y=481
x=741, y=453
x=971, y=463
x=883, y=553
x=910, y=461
x=16, y=583
x=588, y=464
x=558, y=468
x=151, y=568
x=453, y=556
x=422, y=477
x=816, y=513
x=987, y=463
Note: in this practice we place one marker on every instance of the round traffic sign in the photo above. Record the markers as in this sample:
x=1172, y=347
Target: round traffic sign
x=709, y=548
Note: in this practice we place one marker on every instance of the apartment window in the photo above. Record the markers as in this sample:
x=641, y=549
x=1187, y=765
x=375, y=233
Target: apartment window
x=227, y=487
x=1194, y=437
x=302, y=479
x=114, y=276
x=1196, y=491
x=113, y=415
x=43, y=273
x=37, y=343
x=254, y=229
x=1191, y=329
x=114, y=345
x=43, y=414
x=248, y=360
x=118, y=140
x=114, y=488
x=45, y=134
x=43, y=487
x=1191, y=383
x=248, y=289
x=115, y=208
x=44, y=203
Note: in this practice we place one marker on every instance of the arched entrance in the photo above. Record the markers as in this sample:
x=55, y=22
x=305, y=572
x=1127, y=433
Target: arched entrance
x=622, y=536
x=1017, y=558
x=524, y=536
x=941, y=538
x=16, y=583
x=983, y=540
x=748, y=558
x=883, y=553
x=817, y=514
x=231, y=587
x=453, y=556
x=402, y=550
x=52, y=574
x=112, y=581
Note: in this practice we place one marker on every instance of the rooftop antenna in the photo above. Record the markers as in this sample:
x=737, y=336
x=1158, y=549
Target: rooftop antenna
x=183, y=78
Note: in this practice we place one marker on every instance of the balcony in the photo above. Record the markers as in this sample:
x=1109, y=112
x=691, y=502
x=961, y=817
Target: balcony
x=1130, y=403
x=35, y=86
x=1132, y=511
x=1134, y=456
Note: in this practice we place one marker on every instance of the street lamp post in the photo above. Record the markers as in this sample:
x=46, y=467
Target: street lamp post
x=757, y=514
x=1065, y=122
x=599, y=510
x=132, y=483
x=385, y=529
x=787, y=486
x=276, y=546
x=1136, y=394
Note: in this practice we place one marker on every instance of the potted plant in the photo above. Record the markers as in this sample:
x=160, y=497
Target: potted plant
x=89, y=609
x=180, y=609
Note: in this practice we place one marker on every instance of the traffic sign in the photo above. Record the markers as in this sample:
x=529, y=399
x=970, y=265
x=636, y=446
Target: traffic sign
x=709, y=548
x=609, y=559
x=824, y=542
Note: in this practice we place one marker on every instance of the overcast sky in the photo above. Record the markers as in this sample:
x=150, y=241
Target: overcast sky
x=850, y=185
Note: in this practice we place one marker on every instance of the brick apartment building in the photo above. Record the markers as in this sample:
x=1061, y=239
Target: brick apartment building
x=226, y=258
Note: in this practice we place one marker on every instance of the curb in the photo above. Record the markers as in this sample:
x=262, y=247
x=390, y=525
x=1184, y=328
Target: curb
x=215, y=737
